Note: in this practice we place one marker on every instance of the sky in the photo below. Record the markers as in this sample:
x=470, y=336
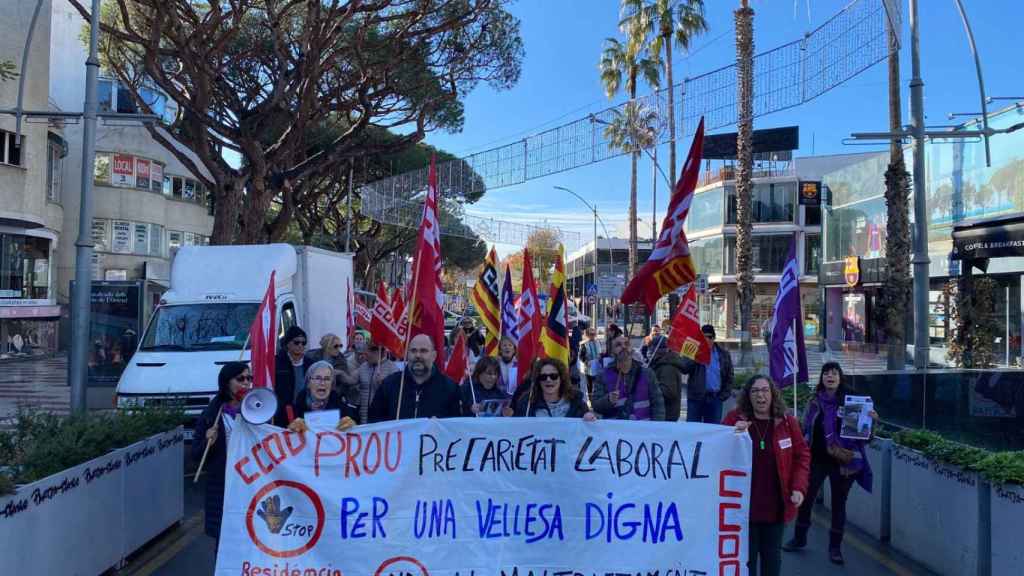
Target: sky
x=560, y=83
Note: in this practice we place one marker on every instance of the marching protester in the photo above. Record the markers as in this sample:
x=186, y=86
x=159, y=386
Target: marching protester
x=668, y=367
x=708, y=386
x=627, y=390
x=575, y=338
x=483, y=386
x=290, y=368
x=319, y=395
x=356, y=353
x=377, y=367
x=590, y=358
x=841, y=460
x=345, y=382
x=778, y=482
x=552, y=395
x=507, y=363
x=424, y=393
x=233, y=381
x=648, y=347
x=474, y=339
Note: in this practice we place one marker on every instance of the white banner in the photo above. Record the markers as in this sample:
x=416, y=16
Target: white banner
x=487, y=497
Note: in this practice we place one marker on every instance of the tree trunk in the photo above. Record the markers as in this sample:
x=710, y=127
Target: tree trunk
x=744, y=253
x=634, y=158
x=896, y=292
x=671, y=117
x=257, y=204
x=226, y=212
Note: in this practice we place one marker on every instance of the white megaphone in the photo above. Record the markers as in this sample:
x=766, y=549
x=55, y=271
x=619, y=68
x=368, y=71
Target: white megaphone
x=259, y=405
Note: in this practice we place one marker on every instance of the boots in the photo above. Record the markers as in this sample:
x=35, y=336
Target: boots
x=798, y=541
x=835, y=552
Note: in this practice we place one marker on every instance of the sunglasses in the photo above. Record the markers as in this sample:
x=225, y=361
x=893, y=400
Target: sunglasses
x=243, y=378
x=548, y=376
x=299, y=342
x=336, y=346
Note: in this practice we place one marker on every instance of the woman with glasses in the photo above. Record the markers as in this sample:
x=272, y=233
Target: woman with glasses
x=290, y=367
x=319, y=395
x=778, y=480
x=551, y=394
x=233, y=381
x=483, y=386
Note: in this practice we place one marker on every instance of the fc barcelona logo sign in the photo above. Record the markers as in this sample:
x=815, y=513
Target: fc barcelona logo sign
x=852, y=271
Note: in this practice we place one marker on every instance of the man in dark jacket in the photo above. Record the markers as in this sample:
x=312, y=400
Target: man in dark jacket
x=425, y=392
x=290, y=367
x=708, y=386
x=627, y=390
x=668, y=367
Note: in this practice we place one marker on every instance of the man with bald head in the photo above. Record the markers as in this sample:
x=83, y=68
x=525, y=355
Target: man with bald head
x=425, y=393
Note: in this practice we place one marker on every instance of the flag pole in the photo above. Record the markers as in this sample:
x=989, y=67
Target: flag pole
x=796, y=369
x=405, y=345
x=209, y=443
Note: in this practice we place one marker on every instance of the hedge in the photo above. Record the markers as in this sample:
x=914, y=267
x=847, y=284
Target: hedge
x=998, y=467
x=42, y=444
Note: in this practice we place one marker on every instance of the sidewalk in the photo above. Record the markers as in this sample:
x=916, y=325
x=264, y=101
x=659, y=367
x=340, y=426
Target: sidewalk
x=38, y=383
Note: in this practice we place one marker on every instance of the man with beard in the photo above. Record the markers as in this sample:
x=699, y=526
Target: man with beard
x=424, y=393
x=628, y=390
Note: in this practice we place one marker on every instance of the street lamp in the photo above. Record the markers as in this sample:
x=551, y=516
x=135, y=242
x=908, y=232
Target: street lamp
x=593, y=209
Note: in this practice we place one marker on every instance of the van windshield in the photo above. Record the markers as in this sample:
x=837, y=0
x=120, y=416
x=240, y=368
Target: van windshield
x=183, y=327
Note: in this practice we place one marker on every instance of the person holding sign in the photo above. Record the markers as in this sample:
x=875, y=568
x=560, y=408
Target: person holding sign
x=233, y=381
x=321, y=399
x=841, y=460
x=421, y=389
x=628, y=390
x=481, y=395
x=552, y=395
x=507, y=357
x=778, y=481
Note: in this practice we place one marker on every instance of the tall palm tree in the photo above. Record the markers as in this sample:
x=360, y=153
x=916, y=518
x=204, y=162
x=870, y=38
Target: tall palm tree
x=667, y=22
x=897, y=240
x=622, y=65
x=744, y=18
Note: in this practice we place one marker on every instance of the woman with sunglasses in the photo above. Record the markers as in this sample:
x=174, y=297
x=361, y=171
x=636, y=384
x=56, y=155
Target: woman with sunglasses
x=345, y=382
x=552, y=395
x=233, y=381
x=290, y=367
x=319, y=395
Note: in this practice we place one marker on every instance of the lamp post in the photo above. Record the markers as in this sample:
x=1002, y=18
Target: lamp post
x=593, y=210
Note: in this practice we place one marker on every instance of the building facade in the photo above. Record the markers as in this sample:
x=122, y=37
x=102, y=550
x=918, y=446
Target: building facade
x=960, y=188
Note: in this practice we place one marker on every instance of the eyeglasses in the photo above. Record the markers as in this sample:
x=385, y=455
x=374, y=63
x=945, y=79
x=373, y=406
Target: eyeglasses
x=321, y=378
x=760, y=391
x=243, y=378
x=548, y=376
x=299, y=342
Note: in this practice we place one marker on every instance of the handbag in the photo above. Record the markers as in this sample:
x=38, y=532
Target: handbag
x=842, y=455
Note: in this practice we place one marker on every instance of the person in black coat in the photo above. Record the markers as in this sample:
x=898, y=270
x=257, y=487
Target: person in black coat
x=552, y=395
x=482, y=386
x=233, y=382
x=319, y=395
x=290, y=369
x=424, y=393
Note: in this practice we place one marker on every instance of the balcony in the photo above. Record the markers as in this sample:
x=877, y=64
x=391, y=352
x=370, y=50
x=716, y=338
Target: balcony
x=727, y=173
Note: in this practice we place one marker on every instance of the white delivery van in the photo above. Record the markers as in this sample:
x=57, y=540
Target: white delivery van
x=204, y=318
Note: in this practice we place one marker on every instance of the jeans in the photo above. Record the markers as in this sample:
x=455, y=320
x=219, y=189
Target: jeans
x=765, y=541
x=840, y=490
x=707, y=410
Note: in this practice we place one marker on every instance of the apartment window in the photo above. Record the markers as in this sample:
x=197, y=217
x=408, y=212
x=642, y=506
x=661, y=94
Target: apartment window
x=769, y=253
x=105, y=93
x=54, y=171
x=190, y=190
x=167, y=186
x=174, y=240
x=10, y=152
x=812, y=215
x=141, y=238
x=156, y=240
x=177, y=186
x=157, y=176
x=773, y=202
x=812, y=254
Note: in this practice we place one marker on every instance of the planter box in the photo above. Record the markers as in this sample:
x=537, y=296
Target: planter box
x=152, y=475
x=80, y=521
x=1007, y=528
x=934, y=513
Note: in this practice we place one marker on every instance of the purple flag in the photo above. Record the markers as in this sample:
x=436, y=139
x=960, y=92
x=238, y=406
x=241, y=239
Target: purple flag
x=509, y=317
x=787, y=353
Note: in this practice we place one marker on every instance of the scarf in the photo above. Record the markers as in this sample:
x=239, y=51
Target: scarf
x=640, y=399
x=828, y=408
x=314, y=404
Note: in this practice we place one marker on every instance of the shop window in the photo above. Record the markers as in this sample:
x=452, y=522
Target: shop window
x=177, y=185
x=769, y=253
x=24, y=267
x=10, y=151
x=773, y=202
x=54, y=171
x=141, y=238
x=101, y=234
x=812, y=254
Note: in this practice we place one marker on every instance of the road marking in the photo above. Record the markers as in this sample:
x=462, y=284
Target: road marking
x=867, y=549
x=188, y=531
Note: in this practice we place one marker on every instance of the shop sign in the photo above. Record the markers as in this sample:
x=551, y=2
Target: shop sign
x=29, y=311
x=123, y=171
x=24, y=301
x=810, y=193
x=852, y=271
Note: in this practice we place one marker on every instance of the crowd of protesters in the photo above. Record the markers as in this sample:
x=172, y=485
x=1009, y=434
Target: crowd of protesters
x=604, y=380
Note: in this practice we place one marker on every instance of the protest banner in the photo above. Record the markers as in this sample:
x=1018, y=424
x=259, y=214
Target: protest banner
x=487, y=497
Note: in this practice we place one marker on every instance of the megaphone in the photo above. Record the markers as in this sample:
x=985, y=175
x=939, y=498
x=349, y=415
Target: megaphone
x=259, y=405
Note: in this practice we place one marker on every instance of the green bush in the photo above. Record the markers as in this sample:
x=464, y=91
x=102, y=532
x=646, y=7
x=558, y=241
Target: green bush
x=1003, y=467
x=999, y=467
x=42, y=444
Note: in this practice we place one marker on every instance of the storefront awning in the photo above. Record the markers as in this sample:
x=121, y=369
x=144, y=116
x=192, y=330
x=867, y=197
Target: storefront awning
x=992, y=238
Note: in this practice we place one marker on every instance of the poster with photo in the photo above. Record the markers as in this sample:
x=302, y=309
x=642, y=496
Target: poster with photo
x=142, y=168
x=856, y=418
x=123, y=171
x=101, y=170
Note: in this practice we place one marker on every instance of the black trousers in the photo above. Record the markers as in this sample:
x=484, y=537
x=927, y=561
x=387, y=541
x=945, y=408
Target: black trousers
x=765, y=549
x=840, y=490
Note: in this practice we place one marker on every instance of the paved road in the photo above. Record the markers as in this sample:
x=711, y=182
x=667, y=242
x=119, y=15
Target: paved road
x=38, y=383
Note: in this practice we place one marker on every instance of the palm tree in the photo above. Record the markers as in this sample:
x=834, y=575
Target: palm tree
x=668, y=22
x=621, y=66
x=744, y=17
x=897, y=240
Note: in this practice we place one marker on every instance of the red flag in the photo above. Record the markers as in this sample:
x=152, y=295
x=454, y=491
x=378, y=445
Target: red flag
x=685, y=336
x=400, y=314
x=670, y=265
x=364, y=316
x=383, y=328
x=427, y=316
x=263, y=340
x=530, y=322
x=350, y=322
x=458, y=363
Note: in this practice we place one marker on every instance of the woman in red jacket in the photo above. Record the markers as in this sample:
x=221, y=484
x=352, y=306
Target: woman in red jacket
x=778, y=480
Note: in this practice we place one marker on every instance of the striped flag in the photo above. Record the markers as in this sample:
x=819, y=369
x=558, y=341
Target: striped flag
x=555, y=335
x=485, y=299
x=509, y=315
x=787, y=355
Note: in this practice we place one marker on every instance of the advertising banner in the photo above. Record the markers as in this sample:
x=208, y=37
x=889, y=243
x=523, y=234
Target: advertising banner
x=487, y=497
x=123, y=171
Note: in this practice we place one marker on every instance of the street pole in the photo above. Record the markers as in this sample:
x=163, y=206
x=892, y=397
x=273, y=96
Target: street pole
x=348, y=220
x=593, y=317
x=81, y=297
x=921, y=260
